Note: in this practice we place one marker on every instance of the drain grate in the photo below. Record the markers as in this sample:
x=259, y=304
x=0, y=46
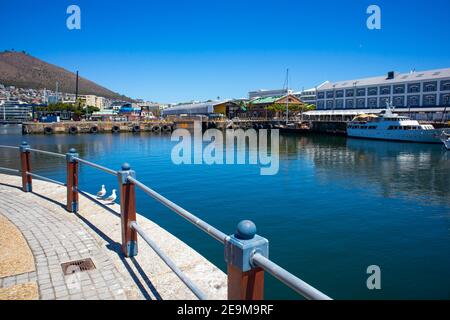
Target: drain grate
x=77, y=266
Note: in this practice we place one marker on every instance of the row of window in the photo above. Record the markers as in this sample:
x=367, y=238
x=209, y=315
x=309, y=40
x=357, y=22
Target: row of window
x=362, y=127
x=389, y=128
x=427, y=100
x=430, y=86
x=404, y=128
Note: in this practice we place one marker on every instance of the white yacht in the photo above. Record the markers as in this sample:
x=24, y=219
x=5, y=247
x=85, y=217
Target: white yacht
x=445, y=138
x=391, y=126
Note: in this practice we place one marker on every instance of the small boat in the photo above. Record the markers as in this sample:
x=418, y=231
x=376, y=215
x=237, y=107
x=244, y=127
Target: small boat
x=445, y=138
x=391, y=126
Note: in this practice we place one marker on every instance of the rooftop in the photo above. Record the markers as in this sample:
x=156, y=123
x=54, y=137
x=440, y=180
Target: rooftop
x=398, y=78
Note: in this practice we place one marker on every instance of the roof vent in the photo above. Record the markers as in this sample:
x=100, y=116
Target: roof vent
x=390, y=75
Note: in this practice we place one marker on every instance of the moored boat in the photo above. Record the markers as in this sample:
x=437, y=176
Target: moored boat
x=445, y=138
x=391, y=126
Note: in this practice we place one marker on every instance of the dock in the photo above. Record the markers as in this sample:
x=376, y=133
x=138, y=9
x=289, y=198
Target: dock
x=54, y=237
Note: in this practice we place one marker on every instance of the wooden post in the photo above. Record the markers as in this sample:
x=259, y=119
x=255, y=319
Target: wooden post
x=245, y=285
x=25, y=164
x=245, y=281
x=72, y=181
x=127, y=211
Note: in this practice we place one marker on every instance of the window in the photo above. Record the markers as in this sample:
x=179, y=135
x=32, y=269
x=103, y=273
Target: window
x=340, y=94
x=429, y=100
x=373, y=91
x=445, y=99
x=413, y=101
x=339, y=103
x=349, y=92
x=384, y=102
x=385, y=90
x=321, y=95
x=320, y=104
x=361, y=103
x=399, y=89
x=330, y=94
x=414, y=87
x=349, y=103
x=361, y=92
x=329, y=104
x=372, y=102
x=399, y=101
x=445, y=85
x=430, y=86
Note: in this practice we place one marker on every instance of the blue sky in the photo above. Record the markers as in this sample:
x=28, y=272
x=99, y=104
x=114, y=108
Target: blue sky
x=171, y=51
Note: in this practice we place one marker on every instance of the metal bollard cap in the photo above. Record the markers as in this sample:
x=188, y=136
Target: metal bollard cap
x=126, y=166
x=246, y=230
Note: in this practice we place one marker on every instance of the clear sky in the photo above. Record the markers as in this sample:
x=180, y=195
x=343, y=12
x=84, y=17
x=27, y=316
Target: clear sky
x=171, y=51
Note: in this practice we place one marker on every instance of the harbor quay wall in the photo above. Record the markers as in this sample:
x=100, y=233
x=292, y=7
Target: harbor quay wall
x=168, y=126
x=93, y=127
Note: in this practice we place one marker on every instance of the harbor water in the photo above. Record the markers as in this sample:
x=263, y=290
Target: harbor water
x=336, y=206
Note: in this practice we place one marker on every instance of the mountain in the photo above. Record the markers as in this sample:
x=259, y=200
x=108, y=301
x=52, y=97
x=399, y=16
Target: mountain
x=22, y=70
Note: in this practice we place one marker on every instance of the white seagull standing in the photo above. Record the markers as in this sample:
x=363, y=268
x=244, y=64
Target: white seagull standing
x=112, y=197
x=102, y=192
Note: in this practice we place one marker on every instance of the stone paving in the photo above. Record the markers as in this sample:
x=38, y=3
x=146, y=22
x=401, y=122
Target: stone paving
x=56, y=236
x=55, y=239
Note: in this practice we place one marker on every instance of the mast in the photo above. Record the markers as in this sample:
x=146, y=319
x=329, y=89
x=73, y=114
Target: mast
x=287, y=97
x=57, y=88
x=76, y=90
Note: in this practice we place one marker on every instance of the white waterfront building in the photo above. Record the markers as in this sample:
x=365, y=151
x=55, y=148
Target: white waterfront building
x=309, y=96
x=425, y=95
x=263, y=93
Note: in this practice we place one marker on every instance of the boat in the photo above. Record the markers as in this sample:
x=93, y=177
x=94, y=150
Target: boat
x=391, y=126
x=445, y=138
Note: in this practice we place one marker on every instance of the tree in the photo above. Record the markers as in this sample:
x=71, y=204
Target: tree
x=77, y=110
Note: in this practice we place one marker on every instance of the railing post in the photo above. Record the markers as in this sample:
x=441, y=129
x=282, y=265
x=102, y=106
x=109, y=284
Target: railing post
x=127, y=211
x=72, y=180
x=245, y=281
x=25, y=163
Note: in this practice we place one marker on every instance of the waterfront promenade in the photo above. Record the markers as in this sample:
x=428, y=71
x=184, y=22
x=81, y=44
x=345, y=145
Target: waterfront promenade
x=52, y=236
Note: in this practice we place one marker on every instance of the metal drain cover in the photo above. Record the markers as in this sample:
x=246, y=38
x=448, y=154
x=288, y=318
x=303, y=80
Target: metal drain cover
x=77, y=266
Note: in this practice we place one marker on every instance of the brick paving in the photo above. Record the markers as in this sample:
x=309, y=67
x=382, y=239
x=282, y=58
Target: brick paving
x=55, y=239
x=56, y=236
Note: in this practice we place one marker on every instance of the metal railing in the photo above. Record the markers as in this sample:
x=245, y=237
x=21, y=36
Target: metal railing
x=37, y=176
x=96, y=166
x=246, y=253
x=202, y=225
x=195, y=290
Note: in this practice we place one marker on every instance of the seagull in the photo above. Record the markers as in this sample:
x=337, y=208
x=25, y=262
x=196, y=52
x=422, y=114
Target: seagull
x=112, y=197
x=102, y=192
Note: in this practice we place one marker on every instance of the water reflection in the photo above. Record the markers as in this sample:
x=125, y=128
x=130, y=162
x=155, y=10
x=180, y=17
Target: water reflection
x=419, y=171
x=412, y=170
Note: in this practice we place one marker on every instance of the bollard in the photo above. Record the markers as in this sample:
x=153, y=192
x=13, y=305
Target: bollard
x=245, y=281
x=72, y=180
x=127, y=211
x=25, y=163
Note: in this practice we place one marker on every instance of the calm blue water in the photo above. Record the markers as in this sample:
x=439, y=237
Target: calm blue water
x=336, y=206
